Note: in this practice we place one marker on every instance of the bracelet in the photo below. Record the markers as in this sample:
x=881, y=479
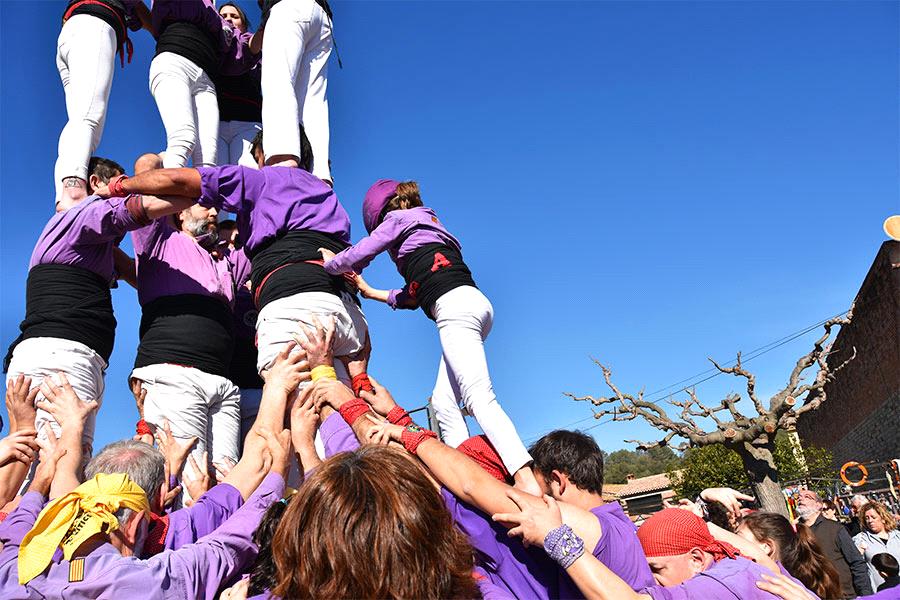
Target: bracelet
x=398, y=416
x=563, y=546
x=323, y=372
x=361, y=383
x=353, y=410
x=413, y=435
x=143, y=428
x=115, y=186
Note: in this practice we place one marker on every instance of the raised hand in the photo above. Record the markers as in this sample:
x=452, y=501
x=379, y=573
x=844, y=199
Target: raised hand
x=169, y=495
x=176, y=452
x=19, y=446
x=63, y=403
x=331, y=392
x=317, y=342
x=139, y=393
x=382, y=432
x=223, y=468
x=50, y=454
x=279, y=450
x=727, y=496
x=304, y=419
x=20, y=403
x=532, y=523
x=288, y=370
x=196, y=479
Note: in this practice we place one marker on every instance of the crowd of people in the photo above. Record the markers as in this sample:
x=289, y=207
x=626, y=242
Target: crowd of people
x=266, y=462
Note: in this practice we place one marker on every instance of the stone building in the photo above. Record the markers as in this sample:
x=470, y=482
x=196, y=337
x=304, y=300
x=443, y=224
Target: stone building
x=860, y=419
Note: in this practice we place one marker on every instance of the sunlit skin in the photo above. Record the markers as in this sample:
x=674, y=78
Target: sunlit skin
x=199, y=213
x=231, y=14
x=675, y=570
x=874, y=523
x=767, y=546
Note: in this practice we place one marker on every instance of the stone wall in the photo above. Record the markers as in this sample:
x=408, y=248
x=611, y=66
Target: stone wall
x=860, y=419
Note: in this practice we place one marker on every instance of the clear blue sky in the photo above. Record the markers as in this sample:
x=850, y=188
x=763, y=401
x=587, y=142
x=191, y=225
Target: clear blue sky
x=647, y=183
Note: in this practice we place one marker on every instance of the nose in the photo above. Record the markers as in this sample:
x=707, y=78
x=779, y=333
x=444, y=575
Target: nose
x=213, y=212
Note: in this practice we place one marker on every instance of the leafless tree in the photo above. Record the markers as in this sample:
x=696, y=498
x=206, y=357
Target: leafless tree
x=753, y=436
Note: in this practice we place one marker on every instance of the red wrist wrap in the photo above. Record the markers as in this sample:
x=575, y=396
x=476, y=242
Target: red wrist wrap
x=353, y=410
x=398, y=416
x=412, y=439
x=143, y=428
x=115, y=186
x=361, y=383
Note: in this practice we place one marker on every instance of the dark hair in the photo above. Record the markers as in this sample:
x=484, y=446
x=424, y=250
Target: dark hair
x=227, y=224
x=370, y=524
x=104, y=168
x=830, y=505
x=720, y=515
x=571, y=452
x=247, y=25
x=306, y=155
x=262, y=574
x=799, y=552
x=886, y=564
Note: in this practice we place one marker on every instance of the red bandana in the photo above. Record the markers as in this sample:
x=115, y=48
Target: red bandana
x=673, y=531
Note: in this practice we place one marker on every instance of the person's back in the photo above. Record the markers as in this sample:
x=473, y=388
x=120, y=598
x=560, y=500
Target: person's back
x=826, y=533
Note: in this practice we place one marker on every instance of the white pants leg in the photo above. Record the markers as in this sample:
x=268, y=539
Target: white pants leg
x=464, y=317
x=186, y=99
x=279, y=319
x=294, y=81
x=196, y=404
x=45, y=357
x=85, y=58
x=234, y=143
x=454, y=430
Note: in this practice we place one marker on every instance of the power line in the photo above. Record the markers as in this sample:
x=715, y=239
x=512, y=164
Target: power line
x=707, y=374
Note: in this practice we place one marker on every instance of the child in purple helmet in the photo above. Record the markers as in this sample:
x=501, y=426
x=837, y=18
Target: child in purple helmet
x=440, y=283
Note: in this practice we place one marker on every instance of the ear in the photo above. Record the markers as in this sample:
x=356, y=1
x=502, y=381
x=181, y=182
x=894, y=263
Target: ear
x=94, y=182
x=698, y=560
x=561, y=480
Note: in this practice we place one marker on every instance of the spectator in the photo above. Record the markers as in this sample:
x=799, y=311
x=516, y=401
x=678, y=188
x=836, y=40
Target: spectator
x=830, y=510
x=856, y=502
x=797, y=552
x=879, y=535
x=889, y=569
x=836, y=544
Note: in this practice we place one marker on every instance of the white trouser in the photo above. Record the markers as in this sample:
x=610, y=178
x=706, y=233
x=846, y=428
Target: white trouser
x=85, y=58
x=196, y=404
x=279, y=319
x=294, y=80
x=46, y=356
x=464, y=317
x=186, y=99
x=234, y=143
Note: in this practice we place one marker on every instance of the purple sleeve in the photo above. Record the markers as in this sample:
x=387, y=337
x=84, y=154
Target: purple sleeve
x=20, y=521
x=238, y=59
x=358, y=256
x=696, y=588
x=240, y=267
x=401, y=298
x=188, y=525
x=102, y=221
x=199, y=570
x=337, y=436
x=230, y=187
x=145, y=239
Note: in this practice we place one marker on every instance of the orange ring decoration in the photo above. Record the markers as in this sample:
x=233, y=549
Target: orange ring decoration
x=852, y=464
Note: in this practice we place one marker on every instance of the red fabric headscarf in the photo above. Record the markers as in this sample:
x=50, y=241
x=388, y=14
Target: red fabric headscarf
x=674, y=531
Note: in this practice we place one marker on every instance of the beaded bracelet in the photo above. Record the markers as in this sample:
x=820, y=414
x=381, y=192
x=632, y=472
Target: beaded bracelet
x=563, y=546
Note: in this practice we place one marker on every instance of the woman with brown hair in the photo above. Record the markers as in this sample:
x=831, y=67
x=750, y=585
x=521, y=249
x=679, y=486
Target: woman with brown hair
x=797, y=551
x=878, y=533
x=371, y=524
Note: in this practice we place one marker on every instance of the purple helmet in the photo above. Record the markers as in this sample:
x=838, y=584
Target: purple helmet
x=376, y=199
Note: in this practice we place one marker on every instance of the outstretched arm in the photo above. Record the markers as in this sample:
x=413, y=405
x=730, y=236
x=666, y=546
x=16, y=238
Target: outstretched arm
x=158, y=182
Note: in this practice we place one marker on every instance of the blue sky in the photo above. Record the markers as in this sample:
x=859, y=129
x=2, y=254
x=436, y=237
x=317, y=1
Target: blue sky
x=647, y=183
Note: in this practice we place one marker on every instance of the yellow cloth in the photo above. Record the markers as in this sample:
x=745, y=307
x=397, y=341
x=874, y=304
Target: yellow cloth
x=71, y=519
x=323, y=372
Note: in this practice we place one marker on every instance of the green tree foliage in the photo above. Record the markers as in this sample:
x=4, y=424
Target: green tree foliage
x=639, y=463
x=717, y=466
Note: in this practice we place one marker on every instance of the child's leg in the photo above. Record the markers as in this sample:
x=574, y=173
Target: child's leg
x=464, y=317
x=446, y=409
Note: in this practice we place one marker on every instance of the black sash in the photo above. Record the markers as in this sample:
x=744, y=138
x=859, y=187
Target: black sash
x=193, y=43
x=433, y=270
x=67, y=302
x=191, y=330
x=279, y=267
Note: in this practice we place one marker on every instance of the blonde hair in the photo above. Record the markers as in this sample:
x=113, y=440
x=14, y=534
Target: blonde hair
x=886, y=517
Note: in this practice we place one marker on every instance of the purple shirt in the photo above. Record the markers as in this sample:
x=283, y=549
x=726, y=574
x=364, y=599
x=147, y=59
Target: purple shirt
x=194, y=571
x=401, y=233
x=170, y=263
x=272, y=201
x=727, y=579
x=619, y=548
x=213, y=508
x=84, y=235
x=337, y=436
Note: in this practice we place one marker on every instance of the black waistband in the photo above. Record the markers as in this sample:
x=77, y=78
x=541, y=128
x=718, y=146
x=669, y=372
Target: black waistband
x=191, y=330
x=240, y=97
x=268, y=4
x=433, y=270
x=193, y=43
x=280, y=270
x=71, y=303
x=111, y=12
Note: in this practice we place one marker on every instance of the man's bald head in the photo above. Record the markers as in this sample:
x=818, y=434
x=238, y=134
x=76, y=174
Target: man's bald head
x=147, y=162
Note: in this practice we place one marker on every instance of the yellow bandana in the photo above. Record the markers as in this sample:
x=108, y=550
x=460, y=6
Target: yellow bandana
x=71, y=519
